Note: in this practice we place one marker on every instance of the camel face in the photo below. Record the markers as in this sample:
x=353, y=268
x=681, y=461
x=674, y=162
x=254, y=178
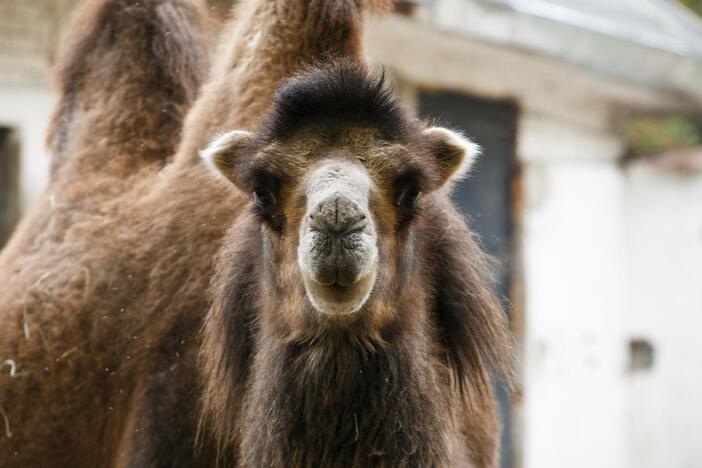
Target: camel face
x=336, y=174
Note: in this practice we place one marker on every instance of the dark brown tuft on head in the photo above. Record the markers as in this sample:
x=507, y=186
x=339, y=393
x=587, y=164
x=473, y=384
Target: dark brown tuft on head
x=339, y=92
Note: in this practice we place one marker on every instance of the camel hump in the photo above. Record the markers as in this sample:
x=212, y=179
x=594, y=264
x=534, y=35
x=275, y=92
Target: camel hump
x=128, y=73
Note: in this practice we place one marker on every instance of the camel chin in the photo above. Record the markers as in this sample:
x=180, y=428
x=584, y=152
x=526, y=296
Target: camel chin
x=337, y=300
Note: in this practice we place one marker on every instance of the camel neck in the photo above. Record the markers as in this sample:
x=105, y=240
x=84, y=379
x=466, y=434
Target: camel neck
x=331, y=403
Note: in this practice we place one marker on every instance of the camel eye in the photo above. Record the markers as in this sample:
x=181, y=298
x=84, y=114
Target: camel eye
x=408, y=189
x=408, y=198
x=265, y=192
x=264, y=197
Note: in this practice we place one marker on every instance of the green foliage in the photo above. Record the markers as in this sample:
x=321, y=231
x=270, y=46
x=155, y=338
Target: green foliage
x=694, y=5
x=653, y=135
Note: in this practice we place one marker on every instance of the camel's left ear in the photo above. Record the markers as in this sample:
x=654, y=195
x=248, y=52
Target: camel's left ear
x=454, y=153
x=224, y=156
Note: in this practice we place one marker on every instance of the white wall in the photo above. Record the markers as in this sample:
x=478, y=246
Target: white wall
x=27, y=111
x=664, y=271
x=610, y=254
x=574, y=357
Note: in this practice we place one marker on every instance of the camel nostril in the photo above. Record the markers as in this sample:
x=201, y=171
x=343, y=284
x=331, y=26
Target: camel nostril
x=337, y=215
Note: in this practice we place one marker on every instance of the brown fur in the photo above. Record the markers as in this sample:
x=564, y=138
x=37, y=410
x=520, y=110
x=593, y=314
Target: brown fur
x=405, y=381
x=128, y=74
x=129, y=48
x=104, y=284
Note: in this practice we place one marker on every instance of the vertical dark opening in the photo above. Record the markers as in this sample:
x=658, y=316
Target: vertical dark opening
x=9, y=183
x=486, y=197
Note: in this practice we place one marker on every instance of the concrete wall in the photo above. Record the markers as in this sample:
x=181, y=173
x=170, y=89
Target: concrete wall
x=664, y=272
x=29, y=39
x=29, y=32
x=612, y=255
x=574, y=357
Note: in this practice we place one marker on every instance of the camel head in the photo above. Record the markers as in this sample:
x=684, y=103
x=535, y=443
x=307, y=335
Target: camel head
x=336, y=173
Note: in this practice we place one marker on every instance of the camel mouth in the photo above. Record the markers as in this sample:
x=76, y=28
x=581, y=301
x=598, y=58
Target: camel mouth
x=336, y=291
x=338, y=283
x=340, y=299
x=334, y=286
x=338, y=275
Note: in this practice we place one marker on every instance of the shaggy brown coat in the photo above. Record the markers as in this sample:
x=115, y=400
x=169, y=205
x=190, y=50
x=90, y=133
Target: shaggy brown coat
x=80, y=335
x=104, y=284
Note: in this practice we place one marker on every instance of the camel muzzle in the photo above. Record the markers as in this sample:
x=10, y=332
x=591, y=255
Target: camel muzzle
x=337, y=252
x=338, y=224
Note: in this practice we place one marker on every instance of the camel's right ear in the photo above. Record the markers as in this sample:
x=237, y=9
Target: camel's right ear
x=224, y=155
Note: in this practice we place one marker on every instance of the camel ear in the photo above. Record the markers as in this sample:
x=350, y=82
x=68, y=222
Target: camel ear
x=224, y=155
x=454, y=153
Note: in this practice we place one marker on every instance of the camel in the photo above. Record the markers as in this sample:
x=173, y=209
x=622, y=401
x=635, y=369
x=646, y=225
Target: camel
x=105, y=282
x=337, y=336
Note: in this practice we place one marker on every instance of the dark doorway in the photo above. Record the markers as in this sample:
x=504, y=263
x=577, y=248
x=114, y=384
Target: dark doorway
x=485, y=198
x=9, y=183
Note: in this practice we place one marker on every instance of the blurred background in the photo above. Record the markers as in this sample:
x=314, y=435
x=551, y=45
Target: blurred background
x=589, y=192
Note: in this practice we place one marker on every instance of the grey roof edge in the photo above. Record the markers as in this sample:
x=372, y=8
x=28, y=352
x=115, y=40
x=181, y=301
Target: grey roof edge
x=651, y=38
x=668, y=70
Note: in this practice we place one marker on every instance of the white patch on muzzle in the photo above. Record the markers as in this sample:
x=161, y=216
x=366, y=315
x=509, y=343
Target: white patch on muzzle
x=334, y=179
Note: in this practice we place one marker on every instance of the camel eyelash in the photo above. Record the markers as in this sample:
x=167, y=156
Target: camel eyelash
x=408, y=188
x=265, y=193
